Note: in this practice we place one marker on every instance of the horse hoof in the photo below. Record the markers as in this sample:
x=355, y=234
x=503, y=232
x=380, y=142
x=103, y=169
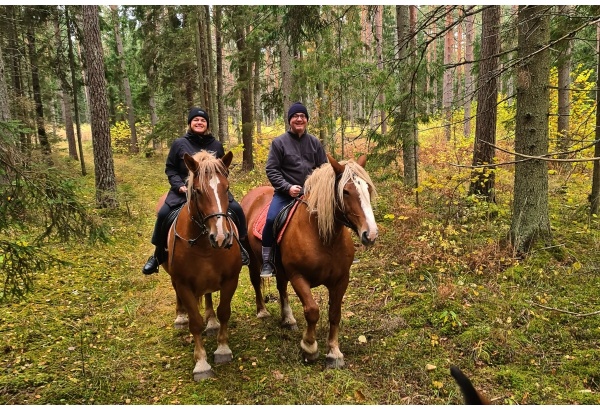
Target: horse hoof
x=290, y=326
x=310, y=358
x=334, y=363
x=203, y=375
x=223, y=358
x=181, y=322
x=211, y=332
x=264, y=313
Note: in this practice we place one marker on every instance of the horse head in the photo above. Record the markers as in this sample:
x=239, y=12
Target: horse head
x=207, y=196
x=354, y=191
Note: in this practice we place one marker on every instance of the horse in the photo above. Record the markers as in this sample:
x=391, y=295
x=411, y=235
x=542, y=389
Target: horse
x=316, y=248
x=204, y=256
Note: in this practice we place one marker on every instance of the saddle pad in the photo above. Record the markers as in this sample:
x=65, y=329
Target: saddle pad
x=259, y=224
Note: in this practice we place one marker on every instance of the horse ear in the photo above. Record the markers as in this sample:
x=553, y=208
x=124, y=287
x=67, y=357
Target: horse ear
x=335, y=165
x=190, y=162
x=227, y=159
x=362, y=160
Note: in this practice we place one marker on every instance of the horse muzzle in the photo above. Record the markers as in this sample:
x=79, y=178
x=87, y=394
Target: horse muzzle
x=368, y=238
x=222, y=240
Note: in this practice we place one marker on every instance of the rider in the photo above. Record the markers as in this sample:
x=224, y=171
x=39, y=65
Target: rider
x=292, y=158
x=197, y=138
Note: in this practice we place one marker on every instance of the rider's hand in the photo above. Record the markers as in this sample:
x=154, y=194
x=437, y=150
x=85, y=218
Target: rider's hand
x=183, y=189
x=295, y=190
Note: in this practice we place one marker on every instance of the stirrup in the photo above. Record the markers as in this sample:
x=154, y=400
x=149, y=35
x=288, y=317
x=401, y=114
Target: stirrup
x=267, y=270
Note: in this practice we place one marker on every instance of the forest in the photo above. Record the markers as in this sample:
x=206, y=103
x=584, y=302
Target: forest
x=481, y=128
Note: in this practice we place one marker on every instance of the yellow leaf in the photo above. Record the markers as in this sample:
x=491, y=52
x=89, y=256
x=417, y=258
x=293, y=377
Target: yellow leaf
x=437, y=385
x=362, y=339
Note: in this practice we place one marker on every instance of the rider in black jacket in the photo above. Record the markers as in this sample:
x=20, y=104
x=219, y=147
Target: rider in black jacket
x=197, y=138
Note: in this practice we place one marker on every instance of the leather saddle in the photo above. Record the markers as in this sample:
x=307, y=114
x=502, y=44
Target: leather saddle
x=281, y=220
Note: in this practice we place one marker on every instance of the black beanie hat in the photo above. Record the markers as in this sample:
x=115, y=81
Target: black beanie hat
x=295, y=109
x=198, y=112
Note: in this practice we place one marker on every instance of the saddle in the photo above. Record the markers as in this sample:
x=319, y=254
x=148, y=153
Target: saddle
x=281, y=220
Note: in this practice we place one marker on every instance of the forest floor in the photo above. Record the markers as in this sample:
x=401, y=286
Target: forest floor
x=439, y=287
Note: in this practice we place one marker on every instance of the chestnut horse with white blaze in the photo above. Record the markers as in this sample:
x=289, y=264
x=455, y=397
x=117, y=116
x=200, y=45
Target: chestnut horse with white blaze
x=316, y=248
x=204, y=256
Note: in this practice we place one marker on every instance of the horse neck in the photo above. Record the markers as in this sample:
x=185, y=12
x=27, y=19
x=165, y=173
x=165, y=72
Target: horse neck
x=308, y=223
x=190, y=213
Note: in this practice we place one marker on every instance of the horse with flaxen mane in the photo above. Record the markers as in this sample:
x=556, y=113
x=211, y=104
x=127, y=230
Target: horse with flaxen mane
x=316, y=248
x=204, y=257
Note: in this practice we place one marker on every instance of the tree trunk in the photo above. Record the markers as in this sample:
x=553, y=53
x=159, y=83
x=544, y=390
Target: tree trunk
x=35, y=83
x=223, y=134
x=469, y=34
x=530, y=219
x=212, y=97
x=133, y=147
x=200, y=55
x=483, y=179
x=379, y=41
x=286, y=72
x=564, y=83
x=447, y=91
x=256, y=93
x=4, y=99
x=17, y=81
x=404, y=125
x=244, y=74
x=106, y=186
x=75, y=91
x=63, y=92
x=595, y=195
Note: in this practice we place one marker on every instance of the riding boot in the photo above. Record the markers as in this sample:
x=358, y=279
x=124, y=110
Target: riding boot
x=245, y=255
x=152, y=264
x=267, y=269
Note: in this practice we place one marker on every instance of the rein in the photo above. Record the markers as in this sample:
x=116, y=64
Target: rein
x=201, y=224
x=344, y=218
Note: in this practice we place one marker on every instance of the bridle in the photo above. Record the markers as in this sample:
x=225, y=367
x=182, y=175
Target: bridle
x=342, y=216
x=202, y=222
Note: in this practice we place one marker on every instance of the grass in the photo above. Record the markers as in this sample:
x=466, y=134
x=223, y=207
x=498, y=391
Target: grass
x=438, y=288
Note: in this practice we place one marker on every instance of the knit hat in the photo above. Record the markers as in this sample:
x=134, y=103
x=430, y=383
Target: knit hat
x=198, y=112
x=295, y=109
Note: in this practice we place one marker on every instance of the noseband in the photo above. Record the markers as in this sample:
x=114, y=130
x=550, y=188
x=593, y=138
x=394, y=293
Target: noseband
x=341, y=215
x=202, y=222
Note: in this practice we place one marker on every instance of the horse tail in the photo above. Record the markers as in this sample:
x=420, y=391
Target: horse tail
x=471, y=395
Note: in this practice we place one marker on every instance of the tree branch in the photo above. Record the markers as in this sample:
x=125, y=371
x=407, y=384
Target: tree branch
x=565, y=311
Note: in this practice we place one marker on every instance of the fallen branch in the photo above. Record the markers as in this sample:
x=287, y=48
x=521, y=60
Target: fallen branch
x=565, y=311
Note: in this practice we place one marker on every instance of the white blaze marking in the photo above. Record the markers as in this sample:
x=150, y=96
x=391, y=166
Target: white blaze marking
x=214, y=184
x=365, y=202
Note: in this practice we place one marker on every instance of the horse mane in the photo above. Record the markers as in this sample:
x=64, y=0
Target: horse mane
x=321, y=196
x=208, y=166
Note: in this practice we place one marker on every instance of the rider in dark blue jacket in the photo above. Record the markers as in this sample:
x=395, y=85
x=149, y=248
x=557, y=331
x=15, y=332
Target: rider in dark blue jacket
x=197, y=138
x=292, y=158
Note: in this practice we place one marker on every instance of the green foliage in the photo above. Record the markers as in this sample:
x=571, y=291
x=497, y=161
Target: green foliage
x=38, y=205
x=120, y=135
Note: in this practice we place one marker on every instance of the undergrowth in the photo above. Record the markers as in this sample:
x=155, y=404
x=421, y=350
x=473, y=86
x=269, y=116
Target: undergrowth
x=440, y=287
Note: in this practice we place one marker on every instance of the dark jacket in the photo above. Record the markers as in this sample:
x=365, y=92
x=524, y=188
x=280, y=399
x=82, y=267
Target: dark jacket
x=292, y=159
x=175, y=167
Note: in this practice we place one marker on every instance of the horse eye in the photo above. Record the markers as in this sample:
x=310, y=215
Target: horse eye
x=346, y=193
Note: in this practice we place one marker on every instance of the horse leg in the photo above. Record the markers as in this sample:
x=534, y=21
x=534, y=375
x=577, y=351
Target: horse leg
x=202, y=369
x=212, y=325
x=310, y=349
x=335, y=358
x=181, y=318
x=254, y=268
x=288, y=320
x=223, y=354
